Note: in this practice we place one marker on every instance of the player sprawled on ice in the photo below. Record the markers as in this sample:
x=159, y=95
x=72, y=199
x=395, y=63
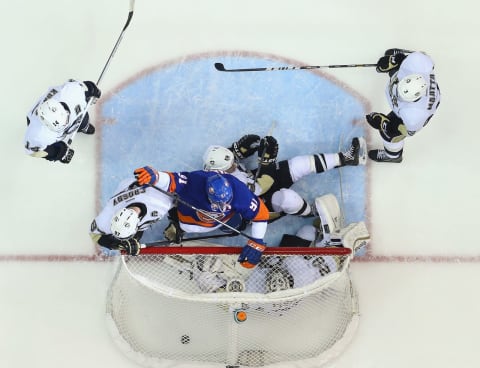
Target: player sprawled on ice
x=56, y=117
x=128, y=213
x=206, y=201
x=413, y=95
x=272, y=180
x=276, y=273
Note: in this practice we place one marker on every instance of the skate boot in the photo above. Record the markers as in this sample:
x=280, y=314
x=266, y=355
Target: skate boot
x=356, y=154
x=380, y=155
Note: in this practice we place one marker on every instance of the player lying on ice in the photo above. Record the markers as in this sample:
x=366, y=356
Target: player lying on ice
x=56, y=117
x=203, y=201
x=213, y=274
x=272, y=180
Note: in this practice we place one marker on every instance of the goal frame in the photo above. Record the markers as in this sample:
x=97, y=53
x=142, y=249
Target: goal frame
x=234, y=298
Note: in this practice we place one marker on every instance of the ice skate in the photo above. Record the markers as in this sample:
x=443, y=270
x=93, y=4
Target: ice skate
x=381, y=155
x=356, y=154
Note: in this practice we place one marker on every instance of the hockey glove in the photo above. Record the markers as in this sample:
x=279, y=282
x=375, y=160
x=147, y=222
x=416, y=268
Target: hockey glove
x=251, y=253
x=246, y=146
x=173, y=233
x=376, y=119
x=395, y=51
x=268, y=150
x=67, y=157
x=92, y=90
x=130, y=246
x=390, y=63
x=146, y=175
x=59, y=151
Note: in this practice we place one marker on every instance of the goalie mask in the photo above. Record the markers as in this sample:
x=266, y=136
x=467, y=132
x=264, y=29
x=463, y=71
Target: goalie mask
x=412, y=87
x=124, y=224
x=219, y=193
x=217, y=158
x=53, y=115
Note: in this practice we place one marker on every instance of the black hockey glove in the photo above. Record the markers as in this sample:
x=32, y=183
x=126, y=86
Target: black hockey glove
x=246, y=146
x=93, y=90
x=268, y=150
x=130, y=246
x=390, y=63
x=67, y=157
x=59, y=151
x=173, y=232
x=376, y=119
x=395, y=51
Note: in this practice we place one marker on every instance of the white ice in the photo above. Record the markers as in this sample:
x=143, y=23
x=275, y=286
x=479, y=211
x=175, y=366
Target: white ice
x=418, y=291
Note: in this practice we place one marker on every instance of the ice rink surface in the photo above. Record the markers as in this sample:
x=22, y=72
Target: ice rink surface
x=417, y=285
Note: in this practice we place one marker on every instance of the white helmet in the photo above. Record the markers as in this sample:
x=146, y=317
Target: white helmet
x=124, y=223
x=217, y=158
x=412, y=87
x=53, y=115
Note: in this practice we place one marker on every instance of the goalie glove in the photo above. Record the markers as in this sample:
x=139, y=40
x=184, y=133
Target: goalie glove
x=246, y=146
x=251, y=253
x=268, y=150
x=146, y=175
x=130, y=246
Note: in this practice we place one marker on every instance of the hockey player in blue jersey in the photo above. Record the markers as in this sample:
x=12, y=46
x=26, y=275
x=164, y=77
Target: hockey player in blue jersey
x=207, y=201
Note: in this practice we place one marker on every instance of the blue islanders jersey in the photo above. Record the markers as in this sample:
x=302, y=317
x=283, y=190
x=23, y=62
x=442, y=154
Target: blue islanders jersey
x=191, y=188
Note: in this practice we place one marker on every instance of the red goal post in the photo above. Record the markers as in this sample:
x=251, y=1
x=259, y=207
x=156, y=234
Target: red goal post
x=197, y=307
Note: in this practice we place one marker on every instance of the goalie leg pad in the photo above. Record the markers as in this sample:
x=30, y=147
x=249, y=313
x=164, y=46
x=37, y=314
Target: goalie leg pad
x=329, y=212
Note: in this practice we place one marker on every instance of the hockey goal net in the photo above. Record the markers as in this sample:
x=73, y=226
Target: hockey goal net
x=196, y=306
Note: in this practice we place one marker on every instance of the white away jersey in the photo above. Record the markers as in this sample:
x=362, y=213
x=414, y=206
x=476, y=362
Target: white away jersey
x=38, y=136
x=156, y=203
x=415, y=115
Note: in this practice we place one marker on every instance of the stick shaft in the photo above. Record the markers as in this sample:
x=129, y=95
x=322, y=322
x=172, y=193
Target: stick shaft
x=205, y=237
x=220, y=67
x=205, y=213
x=105, y=67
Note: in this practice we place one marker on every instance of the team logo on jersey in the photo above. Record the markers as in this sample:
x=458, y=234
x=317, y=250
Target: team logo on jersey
x=209, y=217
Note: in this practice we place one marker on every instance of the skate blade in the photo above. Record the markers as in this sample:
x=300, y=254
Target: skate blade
x=362, y=154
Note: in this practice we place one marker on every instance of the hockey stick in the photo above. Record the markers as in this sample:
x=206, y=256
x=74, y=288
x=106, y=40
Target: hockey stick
x=221, y=68
x=340, y=182
x=204, y=237
x=203, y=212
x=105, y=67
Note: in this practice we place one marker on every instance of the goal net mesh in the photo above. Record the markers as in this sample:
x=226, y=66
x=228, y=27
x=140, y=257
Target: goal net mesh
x=196, y=306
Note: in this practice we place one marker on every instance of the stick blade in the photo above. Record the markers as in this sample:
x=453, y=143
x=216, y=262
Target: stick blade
x=220, y=67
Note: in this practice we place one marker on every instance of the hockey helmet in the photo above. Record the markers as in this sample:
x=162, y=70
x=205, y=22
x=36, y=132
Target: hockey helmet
x=124, y=224
x=219, y=192
x=53, y=115
x=412, y=87
x=217, y=158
